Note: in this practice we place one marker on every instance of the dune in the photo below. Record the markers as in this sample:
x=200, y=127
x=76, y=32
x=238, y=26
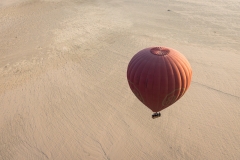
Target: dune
x=63, y=86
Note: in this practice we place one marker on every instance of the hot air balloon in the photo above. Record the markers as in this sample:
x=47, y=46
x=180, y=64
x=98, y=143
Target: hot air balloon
x=159, y=76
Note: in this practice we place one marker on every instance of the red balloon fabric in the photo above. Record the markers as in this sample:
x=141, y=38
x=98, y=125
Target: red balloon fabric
x=159, y=76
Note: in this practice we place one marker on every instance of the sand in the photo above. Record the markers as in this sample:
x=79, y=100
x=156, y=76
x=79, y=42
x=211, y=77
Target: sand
x=63, y=88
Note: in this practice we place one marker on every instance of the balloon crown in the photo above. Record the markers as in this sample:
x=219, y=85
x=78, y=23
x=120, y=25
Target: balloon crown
x=159, y=51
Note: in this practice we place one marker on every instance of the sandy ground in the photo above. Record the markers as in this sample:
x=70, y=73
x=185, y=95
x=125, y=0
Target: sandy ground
x=63, y=88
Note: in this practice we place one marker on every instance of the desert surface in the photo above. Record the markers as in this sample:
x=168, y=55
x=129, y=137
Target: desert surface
x=64, y=94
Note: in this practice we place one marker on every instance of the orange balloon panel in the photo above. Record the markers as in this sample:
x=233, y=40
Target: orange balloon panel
x=159, y=76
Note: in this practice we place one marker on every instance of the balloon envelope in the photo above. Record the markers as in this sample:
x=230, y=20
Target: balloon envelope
x=159, y=76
